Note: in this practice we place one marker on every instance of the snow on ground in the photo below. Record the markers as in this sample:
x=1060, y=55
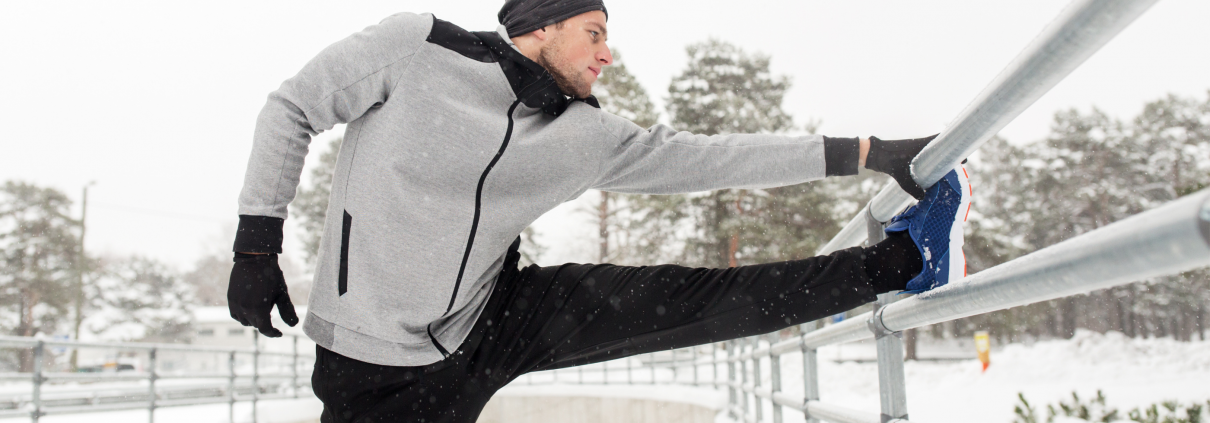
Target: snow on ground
x=1131, y=373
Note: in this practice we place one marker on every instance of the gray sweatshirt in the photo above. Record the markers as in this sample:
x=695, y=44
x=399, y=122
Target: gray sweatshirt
x=455, y=143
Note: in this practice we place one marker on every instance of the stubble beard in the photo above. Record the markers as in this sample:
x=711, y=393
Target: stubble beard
x=570, y=80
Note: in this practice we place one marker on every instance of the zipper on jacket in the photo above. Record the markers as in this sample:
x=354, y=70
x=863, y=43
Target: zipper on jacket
x=470, y=242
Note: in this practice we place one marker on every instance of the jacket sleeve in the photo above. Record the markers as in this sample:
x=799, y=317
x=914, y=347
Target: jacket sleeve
x=661, y=160
x=338, y=86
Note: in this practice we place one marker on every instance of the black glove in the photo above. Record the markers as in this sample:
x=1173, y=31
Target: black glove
x=894, y=157
x=257, y=284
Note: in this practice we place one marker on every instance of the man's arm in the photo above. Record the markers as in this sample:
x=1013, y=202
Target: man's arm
x=661, y=160
x=338, y=86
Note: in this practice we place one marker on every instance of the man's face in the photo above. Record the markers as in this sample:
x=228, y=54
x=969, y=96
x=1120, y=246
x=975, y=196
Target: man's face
x=575, y=53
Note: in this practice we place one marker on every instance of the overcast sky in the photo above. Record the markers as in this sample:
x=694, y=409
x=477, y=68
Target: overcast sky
x=156, y=100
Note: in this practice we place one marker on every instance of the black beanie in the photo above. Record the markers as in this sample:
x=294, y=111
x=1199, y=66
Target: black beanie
x=521, y=17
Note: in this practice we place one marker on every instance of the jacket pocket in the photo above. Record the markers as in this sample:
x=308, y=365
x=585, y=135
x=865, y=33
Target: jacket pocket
x=342, y=284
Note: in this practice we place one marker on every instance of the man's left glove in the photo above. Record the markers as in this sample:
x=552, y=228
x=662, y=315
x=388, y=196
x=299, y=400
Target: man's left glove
x=894, y=157
x=257, y=284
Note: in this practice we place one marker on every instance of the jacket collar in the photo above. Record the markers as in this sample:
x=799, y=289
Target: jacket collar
x=531, y=83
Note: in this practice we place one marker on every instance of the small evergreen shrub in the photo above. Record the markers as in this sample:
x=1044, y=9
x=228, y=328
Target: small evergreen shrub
x=1097, y=410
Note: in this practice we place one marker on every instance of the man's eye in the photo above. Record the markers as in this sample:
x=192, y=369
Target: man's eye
x=594, y=34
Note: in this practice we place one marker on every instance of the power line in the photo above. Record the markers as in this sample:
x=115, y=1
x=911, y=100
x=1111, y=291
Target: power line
x=161, y=213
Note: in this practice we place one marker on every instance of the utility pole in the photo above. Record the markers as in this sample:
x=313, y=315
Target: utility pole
x=81, y=258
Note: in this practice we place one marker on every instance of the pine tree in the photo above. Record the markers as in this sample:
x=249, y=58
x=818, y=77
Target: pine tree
x=620, y=93
x=38, y=249
x=723, y=90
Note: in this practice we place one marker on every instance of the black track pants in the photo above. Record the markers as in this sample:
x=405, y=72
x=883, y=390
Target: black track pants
x=541, y=318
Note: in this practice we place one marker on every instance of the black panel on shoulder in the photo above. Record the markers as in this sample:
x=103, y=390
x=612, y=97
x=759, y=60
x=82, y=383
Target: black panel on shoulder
x=460, y=41
x=530, y=81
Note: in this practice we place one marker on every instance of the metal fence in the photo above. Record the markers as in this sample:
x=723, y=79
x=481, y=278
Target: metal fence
x=1163, y=241
x=151, y=387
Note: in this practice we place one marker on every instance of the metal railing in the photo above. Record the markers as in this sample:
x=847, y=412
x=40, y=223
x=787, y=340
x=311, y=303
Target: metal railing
x=1162, y=241
x=120, y=390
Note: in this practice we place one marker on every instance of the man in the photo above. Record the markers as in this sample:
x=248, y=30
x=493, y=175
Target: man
x=456, y=141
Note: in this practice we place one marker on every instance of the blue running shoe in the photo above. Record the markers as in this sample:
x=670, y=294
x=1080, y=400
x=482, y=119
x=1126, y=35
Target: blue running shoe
x=935, y=225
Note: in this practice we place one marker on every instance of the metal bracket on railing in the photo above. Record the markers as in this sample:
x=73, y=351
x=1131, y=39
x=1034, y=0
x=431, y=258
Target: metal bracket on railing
x=875, y=324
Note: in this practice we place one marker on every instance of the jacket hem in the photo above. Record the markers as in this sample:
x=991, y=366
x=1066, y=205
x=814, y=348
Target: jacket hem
x=366, y=348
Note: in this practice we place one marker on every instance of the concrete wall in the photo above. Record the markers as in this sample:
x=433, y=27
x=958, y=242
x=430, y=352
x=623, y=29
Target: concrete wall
x=555, y=409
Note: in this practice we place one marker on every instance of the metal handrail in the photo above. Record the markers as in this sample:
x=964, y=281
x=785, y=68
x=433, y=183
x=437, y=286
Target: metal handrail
x=29, y=342
x=151, y=396
x=1166, y=240
x=1081, y=29
x=1163, y=241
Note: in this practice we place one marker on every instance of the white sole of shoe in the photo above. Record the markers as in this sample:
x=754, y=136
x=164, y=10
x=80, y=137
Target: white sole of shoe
x=957, y=262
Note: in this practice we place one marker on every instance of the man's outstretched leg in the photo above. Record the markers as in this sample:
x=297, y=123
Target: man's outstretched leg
x=580, y=314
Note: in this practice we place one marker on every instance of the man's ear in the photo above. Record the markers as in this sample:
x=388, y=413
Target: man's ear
x=540, y=34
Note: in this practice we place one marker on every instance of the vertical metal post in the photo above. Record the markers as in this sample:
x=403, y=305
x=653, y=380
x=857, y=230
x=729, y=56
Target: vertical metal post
x=892, y=388
x=693, y=357
x=630, y=370
x=810, y=373
x=231, y=387
x=743, y=381
x=151, y=376
x=775, y=375
x=651, y=365
x=674, y=369
x=732, y=394
x=891, y=382
x=714, y=364
x=756, y=401
x=255, y=372
x=295, y=367
x=39, y=351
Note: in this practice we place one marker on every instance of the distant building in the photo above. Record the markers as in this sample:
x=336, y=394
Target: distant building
x=214, y=327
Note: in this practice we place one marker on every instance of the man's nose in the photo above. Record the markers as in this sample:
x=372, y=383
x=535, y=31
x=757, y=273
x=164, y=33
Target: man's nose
x=605, y=56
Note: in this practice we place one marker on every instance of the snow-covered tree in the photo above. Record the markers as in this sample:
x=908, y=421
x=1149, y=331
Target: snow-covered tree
x=140, y=299
x=722, y=90
x=1091, y=171
x=38, y=247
